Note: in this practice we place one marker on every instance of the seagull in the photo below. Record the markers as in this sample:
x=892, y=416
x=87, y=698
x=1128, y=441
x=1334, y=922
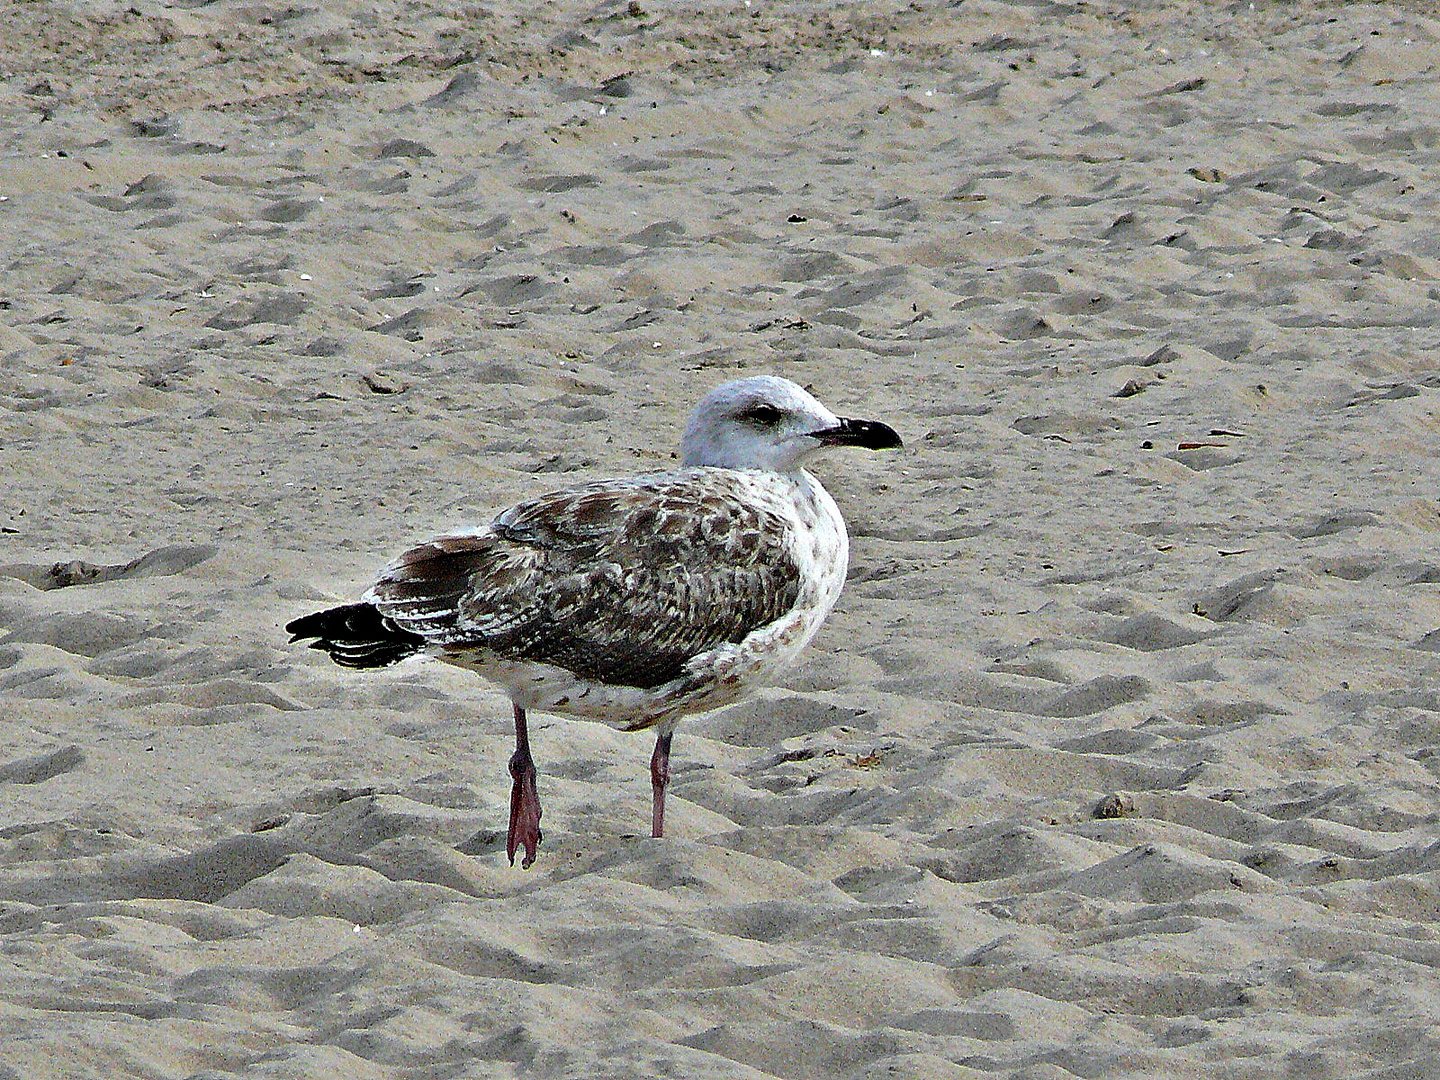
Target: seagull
x=631, y=601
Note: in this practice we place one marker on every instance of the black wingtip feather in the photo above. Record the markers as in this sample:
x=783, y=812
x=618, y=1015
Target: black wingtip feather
x=356, y=636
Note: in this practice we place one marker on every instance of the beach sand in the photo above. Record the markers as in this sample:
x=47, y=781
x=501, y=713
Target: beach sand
x=1118, y=757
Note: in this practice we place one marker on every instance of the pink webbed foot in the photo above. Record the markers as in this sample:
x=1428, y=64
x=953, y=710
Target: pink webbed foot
x=524, y=798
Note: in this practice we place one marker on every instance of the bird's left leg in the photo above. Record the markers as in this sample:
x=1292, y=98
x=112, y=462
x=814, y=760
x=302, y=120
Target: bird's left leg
x=524, y=798
x=659, y=778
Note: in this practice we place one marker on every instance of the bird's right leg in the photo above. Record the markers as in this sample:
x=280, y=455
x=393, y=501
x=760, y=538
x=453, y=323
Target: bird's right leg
x=524, y=798
x=659, y=780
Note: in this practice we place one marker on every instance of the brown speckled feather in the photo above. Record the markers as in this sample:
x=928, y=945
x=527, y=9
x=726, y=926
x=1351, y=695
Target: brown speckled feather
x=621, y=582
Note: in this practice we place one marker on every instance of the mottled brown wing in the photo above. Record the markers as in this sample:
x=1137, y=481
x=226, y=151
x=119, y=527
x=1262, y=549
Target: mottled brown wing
x=622, y=582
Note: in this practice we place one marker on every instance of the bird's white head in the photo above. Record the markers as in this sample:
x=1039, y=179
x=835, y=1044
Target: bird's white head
x=765, y=422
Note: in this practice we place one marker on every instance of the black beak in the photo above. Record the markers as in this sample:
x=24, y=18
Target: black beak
x=869, y=434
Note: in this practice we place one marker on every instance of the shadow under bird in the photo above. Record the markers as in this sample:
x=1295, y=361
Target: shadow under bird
x=631, y=601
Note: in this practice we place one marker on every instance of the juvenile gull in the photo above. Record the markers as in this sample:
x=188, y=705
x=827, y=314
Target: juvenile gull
x=631, y=601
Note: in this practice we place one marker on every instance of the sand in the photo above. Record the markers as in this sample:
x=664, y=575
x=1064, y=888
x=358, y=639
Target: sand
x=1118, y=757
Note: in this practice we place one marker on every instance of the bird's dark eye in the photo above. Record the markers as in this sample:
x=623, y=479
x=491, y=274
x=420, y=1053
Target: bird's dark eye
x=761, y=415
